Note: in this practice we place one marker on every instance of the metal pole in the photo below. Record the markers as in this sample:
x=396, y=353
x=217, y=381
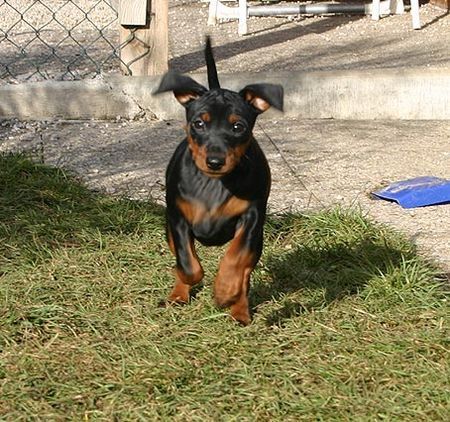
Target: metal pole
x=307, y=9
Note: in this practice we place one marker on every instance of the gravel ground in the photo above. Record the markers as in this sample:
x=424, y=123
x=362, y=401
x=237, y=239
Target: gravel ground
x=310, y=43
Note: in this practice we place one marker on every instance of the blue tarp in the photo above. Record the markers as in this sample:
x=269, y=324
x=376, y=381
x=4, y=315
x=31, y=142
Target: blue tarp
x=418, y=192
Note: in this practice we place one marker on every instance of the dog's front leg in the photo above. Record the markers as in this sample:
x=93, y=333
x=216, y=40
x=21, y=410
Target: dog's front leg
x=188, y=270
x=232, y=282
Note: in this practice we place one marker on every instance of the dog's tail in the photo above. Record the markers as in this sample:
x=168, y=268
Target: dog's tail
x=213, y=79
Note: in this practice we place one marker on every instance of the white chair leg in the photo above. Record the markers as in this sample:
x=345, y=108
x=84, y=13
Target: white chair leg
x=212, y=13
x=375, y=10
x=242, y=28
x=415, y=14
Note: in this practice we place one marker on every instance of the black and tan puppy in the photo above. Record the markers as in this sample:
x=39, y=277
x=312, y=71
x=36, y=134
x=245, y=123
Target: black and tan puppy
x=217, y=184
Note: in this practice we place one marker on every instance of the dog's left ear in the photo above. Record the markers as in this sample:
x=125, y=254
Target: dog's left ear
x=262, y=96
x=183, y=87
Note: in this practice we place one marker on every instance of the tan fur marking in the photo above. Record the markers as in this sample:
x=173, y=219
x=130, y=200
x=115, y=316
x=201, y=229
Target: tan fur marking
x=195, y=212
x=232, y=158
x=239, y=151
x=233, y=118
x=197, y=270
x=185, y=97
x=206, y=117
x=198, y=154
x=257, y=102
x=180, y=292
x=192, y=212
x=183, y=281
x=170, y=241
x=234, y=206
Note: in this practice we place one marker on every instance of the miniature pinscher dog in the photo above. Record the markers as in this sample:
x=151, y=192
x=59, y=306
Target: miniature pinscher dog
x=217, y=184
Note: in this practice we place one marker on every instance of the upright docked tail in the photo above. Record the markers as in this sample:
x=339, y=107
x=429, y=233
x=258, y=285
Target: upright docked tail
x=186, y=90
x=213, y=80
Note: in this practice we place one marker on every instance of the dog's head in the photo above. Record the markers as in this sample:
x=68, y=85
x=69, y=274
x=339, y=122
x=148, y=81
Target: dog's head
x=219, y=121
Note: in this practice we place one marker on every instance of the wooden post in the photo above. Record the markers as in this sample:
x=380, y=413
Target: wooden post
x=443, y=4
x=143, y=33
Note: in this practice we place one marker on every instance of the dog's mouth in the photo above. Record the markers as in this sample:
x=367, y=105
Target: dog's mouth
x=215, y=164
x=215, y=174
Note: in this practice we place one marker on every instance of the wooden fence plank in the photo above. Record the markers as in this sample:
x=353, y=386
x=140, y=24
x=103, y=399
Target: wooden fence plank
x=133, y=12
x=443, y=4
x=145, y=50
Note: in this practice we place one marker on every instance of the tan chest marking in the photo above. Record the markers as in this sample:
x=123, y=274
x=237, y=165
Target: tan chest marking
x=195, y=212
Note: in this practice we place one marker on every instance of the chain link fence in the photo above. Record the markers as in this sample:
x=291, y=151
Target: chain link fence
x=58, y=39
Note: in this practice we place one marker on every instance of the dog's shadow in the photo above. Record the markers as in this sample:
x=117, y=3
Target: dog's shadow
x=310, y=277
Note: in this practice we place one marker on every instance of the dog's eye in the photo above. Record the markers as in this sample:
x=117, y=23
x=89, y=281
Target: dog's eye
x=238, y=127
x=198, y=124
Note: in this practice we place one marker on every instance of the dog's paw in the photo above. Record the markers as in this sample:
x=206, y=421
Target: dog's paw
x=179, y=294
x=240, y=314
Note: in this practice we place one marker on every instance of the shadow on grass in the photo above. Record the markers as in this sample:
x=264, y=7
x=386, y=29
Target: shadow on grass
x=331, y=257
x=43, y=208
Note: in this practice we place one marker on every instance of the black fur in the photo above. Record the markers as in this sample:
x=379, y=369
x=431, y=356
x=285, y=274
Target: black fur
x=218, y=183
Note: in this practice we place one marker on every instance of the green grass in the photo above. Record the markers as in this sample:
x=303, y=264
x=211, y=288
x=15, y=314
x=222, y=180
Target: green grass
x=349, y=322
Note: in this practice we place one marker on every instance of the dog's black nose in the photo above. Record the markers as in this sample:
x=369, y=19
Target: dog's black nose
x=214, y=162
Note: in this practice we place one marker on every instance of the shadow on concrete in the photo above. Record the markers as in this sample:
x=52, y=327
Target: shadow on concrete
x=435, y=20
x=192, y=61
x=351, y=55
x=127, y=160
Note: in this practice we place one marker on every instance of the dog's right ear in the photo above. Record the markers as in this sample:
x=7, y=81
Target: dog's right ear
x=183, y=87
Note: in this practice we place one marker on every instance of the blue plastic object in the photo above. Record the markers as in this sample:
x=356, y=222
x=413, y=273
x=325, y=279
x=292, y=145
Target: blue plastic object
x=418, y=192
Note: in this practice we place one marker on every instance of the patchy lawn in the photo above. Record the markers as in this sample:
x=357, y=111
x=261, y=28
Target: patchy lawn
x=350, y=323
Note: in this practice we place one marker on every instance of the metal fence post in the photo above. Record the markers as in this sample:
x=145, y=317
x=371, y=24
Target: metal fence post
x=143, y=33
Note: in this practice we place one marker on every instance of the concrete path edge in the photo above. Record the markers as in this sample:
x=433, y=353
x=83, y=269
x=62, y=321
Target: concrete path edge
x=416, y=94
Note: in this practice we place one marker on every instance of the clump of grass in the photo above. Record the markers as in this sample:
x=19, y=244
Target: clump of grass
x=349, y=321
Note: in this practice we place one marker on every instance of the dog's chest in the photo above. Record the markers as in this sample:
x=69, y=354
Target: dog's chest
x=214, y=232
x=211, y=212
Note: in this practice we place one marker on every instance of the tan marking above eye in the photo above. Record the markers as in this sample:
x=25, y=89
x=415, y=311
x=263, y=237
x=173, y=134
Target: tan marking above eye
x=233, y=118
x=206, y=117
